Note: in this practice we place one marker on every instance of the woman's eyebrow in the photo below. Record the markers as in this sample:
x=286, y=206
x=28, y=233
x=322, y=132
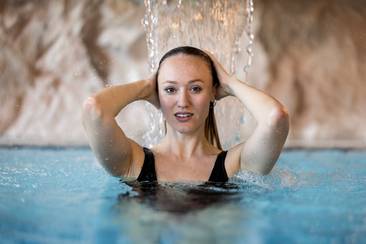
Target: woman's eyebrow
x=170, y=81
x=191, y=81
x=196, y=80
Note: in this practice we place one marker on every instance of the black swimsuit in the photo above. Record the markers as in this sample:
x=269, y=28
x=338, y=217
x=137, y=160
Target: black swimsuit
x=148, y=172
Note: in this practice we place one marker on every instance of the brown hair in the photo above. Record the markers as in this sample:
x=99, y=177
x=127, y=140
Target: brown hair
x=211, y=132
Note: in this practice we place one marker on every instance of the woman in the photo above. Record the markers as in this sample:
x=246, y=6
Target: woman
x=185, y=87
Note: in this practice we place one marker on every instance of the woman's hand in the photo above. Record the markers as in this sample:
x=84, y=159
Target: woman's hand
x=152, y=96
x=224, y=78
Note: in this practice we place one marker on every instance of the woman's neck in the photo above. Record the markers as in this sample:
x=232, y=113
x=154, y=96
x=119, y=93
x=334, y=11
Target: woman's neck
x=185, y=146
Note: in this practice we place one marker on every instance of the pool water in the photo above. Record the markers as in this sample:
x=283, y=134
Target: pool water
x=50, y=195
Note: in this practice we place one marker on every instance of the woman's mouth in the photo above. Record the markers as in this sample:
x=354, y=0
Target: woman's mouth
x=183, y=116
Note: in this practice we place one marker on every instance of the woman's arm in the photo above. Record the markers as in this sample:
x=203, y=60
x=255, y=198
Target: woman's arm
x=107, y=140
x=262, y=149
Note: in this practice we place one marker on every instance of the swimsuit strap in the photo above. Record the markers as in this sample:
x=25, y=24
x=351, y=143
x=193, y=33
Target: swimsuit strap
x=148, y=168
x=218, y=173
x=148, y=172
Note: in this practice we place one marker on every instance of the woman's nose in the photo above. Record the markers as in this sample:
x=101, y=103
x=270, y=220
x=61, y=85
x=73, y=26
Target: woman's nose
x=183, y=99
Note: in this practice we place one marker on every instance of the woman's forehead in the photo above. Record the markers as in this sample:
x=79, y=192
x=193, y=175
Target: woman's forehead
x=184, y=66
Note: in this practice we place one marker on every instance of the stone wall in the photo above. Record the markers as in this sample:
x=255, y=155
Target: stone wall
x=311, y=55
x=317, y=60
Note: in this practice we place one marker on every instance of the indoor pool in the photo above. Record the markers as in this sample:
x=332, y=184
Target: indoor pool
x=53, y=195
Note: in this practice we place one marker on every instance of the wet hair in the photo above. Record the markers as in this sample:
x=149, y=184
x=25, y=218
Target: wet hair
x=211, y=132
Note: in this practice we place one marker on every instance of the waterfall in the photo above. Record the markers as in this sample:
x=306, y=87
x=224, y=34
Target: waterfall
x=222, y=27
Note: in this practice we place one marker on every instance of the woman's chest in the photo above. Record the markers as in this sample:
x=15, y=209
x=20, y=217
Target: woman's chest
x=193, y=169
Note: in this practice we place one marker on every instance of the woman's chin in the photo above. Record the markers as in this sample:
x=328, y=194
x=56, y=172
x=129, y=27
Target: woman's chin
x=185, y=128
x=190, y=126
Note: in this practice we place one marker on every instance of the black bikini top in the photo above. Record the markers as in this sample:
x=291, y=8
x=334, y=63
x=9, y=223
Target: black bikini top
x=148, y=172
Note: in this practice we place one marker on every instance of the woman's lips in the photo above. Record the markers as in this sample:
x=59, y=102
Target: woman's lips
x=183, y=116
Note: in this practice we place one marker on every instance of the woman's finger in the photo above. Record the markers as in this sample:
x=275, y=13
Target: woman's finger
x=217, y=64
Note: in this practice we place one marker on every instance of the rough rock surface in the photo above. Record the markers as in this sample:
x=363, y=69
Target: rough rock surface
x=311, y=55
x=317, y=67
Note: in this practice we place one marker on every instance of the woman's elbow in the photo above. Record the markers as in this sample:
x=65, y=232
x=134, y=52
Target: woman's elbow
x=279, y=119
x=91, y=110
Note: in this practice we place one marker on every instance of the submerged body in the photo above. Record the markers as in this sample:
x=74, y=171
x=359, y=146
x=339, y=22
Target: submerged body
x=185, y=87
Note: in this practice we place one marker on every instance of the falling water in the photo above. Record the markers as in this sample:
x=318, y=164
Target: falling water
x=220, y=26
x=249, y=35
x=214, y=25
x=150, y=23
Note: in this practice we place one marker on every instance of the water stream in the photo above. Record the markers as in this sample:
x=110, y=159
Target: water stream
x=222, y=27
x=214, y=25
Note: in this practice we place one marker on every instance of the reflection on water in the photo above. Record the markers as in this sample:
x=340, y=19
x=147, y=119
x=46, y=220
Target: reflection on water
x=187, y=212
x=178, y=198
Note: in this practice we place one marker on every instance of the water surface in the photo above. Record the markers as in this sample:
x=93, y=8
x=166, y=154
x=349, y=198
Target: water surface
x=51, y=195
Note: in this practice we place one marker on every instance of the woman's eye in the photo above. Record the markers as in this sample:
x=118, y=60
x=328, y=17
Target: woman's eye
x=196, y=89
x=169, y=90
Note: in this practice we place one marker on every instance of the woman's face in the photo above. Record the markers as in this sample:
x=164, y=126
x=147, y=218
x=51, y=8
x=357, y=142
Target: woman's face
x=185, y=92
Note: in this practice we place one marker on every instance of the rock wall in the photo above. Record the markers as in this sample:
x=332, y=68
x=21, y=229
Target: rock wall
x=311, y=55
x=317, y=61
